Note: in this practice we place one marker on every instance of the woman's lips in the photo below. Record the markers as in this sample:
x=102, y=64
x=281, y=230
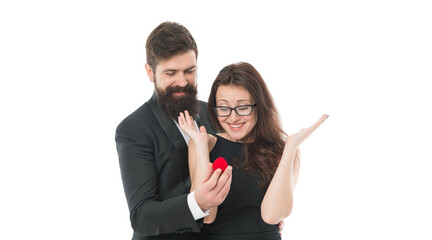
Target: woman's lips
x=236, y=126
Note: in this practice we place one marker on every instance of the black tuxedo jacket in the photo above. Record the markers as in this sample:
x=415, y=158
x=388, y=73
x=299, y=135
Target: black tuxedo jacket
x=153, y=159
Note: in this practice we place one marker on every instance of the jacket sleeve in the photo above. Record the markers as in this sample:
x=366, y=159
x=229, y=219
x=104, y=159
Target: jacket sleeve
x=148, y=215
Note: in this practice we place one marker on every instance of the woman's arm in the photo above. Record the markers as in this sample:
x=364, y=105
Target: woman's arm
x=278, y=200
x=198, y=150
x=198, y=162
x=197, y=171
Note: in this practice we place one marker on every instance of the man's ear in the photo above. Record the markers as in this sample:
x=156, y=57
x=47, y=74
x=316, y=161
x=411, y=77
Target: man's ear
x=150, y=72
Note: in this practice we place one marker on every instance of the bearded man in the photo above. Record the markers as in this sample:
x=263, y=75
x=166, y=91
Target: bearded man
x=152, y=149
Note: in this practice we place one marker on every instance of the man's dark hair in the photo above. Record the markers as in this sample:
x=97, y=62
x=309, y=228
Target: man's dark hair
x=167, y=40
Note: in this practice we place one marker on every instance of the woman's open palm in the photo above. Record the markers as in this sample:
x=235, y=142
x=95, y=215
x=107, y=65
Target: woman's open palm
x=186, y=123
x=299, y=137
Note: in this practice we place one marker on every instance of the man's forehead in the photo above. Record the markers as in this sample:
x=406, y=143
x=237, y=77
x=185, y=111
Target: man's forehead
x=178, y=62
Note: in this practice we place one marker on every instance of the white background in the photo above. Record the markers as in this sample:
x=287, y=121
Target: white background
x=72, y=70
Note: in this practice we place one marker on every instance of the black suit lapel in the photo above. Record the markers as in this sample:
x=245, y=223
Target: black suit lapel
x=175, y=137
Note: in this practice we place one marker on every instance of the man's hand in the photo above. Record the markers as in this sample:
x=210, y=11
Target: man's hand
x=213, y=191
x=280, y=225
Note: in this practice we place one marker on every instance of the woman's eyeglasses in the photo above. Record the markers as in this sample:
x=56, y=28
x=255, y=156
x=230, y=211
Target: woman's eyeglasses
x=242, y=110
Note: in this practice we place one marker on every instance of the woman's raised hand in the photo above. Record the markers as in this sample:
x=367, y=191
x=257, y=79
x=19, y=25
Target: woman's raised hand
x=296, y=139
x=186, y=123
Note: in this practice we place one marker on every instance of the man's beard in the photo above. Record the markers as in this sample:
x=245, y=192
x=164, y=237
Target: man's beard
x=173, y=105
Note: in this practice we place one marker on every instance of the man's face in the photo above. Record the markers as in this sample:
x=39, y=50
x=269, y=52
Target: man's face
x=175, y=83
x=179, y=71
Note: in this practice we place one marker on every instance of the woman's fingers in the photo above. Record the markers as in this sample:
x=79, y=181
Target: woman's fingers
x=181, y=120
x=203, y=129
x=185, y=119
x=322, y=119
x=189, y=119
x=186, y=113
x=187, y=124
x=299, y=137
x=318, y=123
x=183, y=124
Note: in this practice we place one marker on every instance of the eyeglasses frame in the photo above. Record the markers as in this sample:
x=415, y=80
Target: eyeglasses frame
x=235, y=110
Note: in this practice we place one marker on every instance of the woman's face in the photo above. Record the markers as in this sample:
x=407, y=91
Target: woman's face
x=236, y=126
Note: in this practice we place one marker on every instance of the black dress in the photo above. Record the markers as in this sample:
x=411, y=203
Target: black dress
x=239, y=216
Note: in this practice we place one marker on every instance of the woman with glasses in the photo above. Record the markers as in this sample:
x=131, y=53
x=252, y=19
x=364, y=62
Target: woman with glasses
x=264, y=161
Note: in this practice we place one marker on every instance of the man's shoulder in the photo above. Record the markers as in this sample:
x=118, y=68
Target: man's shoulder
x=203, y=110
x=202, y=106
x=204, y=117
x=138, y=115
x=138, y=119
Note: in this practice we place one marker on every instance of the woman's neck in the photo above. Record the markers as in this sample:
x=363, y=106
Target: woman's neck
x=228, y=137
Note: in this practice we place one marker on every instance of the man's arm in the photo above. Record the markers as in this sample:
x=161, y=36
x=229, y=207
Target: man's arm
x=140, y=181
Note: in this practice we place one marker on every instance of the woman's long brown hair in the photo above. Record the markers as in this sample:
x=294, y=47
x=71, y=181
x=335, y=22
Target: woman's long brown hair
x=266, y=140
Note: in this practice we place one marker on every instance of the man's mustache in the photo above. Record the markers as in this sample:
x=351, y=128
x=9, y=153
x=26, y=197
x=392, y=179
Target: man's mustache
x=177, y=89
